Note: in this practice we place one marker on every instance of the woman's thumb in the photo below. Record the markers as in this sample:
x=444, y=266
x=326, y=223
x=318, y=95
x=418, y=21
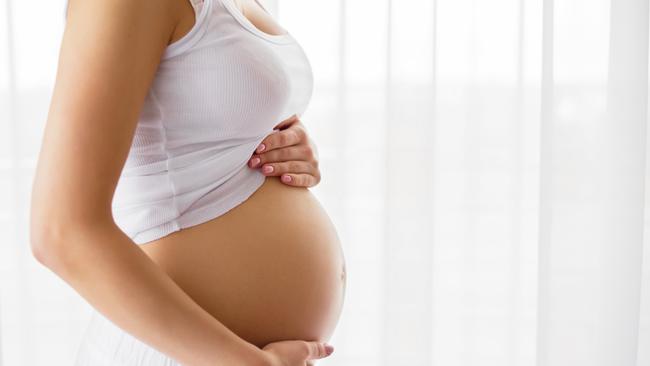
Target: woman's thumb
x=318, y=350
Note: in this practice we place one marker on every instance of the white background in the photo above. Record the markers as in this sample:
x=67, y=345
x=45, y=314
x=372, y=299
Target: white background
x=484, y=162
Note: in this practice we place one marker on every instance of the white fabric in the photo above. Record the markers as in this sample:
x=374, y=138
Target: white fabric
x=105, y=344
x=489, y=202
x=218, y=92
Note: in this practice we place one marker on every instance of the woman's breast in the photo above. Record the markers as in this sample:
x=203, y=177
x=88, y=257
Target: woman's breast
x=240, y=88
x=270, y=269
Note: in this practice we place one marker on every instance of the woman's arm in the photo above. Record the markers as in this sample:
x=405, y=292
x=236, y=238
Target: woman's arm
x=108, y=58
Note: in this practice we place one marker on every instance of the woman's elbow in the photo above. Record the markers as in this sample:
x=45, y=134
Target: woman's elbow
x=60, y=241
x=47, y=242
x=58, y=232
x=55, y=239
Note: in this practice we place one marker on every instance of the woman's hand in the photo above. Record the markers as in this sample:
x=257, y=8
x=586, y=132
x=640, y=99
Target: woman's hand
x=288, y=152
x=295, y=353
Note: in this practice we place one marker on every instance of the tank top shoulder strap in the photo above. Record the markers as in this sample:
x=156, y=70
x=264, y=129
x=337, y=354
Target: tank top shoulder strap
x=202, y=9
x=196, y=4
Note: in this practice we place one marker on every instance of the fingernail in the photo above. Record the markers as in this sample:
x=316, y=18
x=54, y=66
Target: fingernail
x=255, y=161
x=268, y=169
x=261, y=148
x=329, y=349
x=286, y=178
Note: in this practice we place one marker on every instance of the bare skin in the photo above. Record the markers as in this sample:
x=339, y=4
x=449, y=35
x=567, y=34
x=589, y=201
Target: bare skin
x=271, y=268
x=97, y=98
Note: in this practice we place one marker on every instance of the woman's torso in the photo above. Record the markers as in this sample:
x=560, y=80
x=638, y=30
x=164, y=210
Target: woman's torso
x=271, y=267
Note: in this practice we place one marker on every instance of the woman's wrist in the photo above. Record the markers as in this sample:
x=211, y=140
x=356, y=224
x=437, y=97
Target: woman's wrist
x=250, y=355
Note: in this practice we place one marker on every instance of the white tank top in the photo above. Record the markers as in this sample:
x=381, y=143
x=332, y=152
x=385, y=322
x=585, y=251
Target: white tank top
x=218, y=91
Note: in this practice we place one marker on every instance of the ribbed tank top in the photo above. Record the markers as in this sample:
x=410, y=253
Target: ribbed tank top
x=217, y=93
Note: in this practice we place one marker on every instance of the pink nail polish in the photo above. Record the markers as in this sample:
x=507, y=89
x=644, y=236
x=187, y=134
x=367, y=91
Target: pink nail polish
x=286, y=178
x=268, y=169
x=261, y=148
x=255, y=161
x=329, y=349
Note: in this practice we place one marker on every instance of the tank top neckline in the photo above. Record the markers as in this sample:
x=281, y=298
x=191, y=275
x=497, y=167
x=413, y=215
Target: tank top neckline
x=190, y=38
x=246, y=23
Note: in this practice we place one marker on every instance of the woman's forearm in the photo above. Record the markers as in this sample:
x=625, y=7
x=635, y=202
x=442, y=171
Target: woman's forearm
x=119, y=280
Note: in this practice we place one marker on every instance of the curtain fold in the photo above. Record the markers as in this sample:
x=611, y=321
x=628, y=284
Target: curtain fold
x=484, y=163
x=593, y=196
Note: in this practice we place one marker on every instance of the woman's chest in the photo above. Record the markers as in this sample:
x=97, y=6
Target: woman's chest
x=239, y=85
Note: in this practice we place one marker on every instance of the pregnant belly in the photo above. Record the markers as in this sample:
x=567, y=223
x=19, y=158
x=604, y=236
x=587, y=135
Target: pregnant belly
x=270, y=269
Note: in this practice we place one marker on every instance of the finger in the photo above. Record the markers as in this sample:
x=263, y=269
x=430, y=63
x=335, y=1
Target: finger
x=263, y=142
x=262, y=145
x=300, y=180
x=296, y=152
x=289, y=137
x=293, y=166
x=287, y=122
x=317, y=350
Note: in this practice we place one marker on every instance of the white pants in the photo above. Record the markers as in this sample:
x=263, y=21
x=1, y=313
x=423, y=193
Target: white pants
x=105, y=344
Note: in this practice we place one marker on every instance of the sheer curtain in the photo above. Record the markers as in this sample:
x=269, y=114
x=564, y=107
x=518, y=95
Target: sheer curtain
x=484, y=162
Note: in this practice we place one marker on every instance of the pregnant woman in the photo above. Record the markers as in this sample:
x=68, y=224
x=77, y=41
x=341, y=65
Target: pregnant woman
x=152, y=197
